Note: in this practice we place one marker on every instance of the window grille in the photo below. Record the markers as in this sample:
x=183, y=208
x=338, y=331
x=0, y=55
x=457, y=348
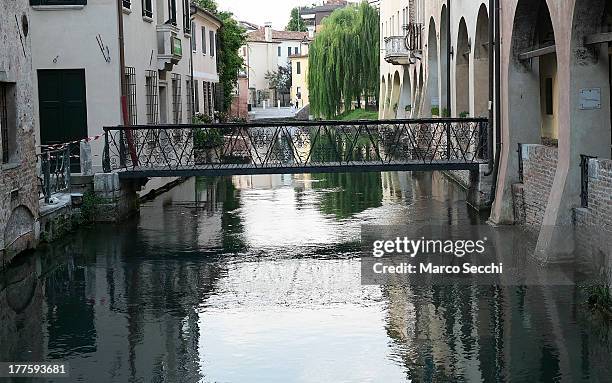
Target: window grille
x=172, y=12
x=189, y=87
x=127, y=4
x=177, y=106
x=58, y=2
x=197, y=96
x=212, y=43
x=152, y=97
x=186, y=17
x=130, y=94
x=147, y=8
x=4, y=124
x=205, y=96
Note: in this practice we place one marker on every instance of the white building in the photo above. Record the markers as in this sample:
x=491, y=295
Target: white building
x=78, y=72
x=204, y=26
x=265, y=51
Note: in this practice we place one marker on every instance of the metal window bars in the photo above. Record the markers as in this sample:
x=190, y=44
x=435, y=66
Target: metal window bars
x=147, y=8
x=152, y=97
x=130, y=94
x=177, y=105
x=127, y=4
x=189, y=87
x=4, y=124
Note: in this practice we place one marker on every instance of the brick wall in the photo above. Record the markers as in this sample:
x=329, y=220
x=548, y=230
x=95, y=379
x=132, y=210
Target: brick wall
x=18, y=181
x=539, y=168
x=239, y=107
x=594, y=224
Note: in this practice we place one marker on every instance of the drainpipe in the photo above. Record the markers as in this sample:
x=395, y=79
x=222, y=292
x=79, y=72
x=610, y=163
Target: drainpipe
x=448, y=57
x=498, y=130
x=122, y=82
x=192, y=11
x=491, y=86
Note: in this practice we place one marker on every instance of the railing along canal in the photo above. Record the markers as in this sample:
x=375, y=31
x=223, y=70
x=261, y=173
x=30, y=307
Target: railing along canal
x=297, y=144
x=54, y=175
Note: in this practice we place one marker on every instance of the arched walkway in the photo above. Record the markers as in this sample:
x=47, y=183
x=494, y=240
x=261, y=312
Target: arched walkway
x=383, y=97
x=388, y=98
x=481, y=64
x=462, y=72
x=405, y=107
x=415, y=94
x=395, y=95
x=444, y=103
x=432, y=102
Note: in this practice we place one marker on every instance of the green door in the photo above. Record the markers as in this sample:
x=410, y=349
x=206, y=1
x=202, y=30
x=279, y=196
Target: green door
x=63, y=109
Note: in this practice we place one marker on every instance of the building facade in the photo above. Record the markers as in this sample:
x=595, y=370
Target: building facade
x=78, y=85
x=313, y=16
x=204, y=29
x=18, y=182
x=265, y=51
x=554, y=85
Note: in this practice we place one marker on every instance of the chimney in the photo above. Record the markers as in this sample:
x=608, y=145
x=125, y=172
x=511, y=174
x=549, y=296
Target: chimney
x=268, y=31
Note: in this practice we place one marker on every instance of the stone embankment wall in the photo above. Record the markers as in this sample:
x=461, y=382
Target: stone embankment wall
x=593, y=224
x=531, y=197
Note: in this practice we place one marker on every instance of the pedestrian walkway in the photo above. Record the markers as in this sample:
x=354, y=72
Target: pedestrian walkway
x=272, y=113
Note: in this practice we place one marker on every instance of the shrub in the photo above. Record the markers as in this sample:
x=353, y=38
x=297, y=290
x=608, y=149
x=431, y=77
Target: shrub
x=435, y=111
x=464, y=114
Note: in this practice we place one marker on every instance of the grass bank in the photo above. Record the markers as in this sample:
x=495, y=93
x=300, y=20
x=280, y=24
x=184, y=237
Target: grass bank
x=358, y=114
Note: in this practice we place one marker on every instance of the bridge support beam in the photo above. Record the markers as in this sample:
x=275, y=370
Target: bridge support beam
x=116, y=199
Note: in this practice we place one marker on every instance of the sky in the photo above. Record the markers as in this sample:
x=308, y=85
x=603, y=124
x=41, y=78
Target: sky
x=261, y=11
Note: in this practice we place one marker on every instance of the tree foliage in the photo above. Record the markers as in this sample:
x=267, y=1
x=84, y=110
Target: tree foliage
x=230, y=38
x=344, y=60
x=296, y=23
x=280, y=79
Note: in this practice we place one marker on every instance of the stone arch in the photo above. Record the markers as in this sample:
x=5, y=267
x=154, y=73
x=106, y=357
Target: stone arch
x=405, y=108
x=388, y=96
x=444, y=60
x=421, y=88
x=19, y=231
x=462, y=71
x=383, y=97
x=395, y=95
x=533, y=106
x=481, y=64
x=433, y=96
x=590, y=69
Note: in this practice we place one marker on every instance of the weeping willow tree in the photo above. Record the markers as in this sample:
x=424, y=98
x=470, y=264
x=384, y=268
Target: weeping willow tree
x=344, y=60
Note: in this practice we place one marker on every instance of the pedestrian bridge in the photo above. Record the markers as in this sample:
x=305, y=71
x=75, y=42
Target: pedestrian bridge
x=295, y=147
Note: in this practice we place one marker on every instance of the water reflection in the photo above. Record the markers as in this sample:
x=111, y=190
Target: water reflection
x=258, y=279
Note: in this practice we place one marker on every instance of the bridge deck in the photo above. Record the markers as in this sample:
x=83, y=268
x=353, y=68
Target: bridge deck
x=327, y=167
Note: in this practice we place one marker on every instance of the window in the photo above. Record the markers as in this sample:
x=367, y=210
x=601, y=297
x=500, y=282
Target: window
x=549, y=96
x=62, y=2
x=197, y=96
x=152, y=97
x=186, y=17
x=147, y=8
x=288, y=51
x=7, y=121
x=177, y=105
x=204, y=40
x=212, y=43
x=171, y=12
x=205, y=96
x=296, y=51
x=279, y=51
x=130, y=94
x=298, y=68
x=127, y=4
x=189, y=89
x=194, y=41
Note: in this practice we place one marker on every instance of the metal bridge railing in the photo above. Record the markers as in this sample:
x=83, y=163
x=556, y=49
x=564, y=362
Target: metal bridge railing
x=54, y=174
x=584, y=179
x=297, y=144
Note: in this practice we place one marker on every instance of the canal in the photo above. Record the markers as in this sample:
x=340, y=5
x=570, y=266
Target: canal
x=257, y=279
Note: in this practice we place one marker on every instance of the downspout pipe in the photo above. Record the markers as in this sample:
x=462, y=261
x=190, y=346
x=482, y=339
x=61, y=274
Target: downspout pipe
x=192, y=12
x=498, y=123
x=448, y=57
x=491, y=87
x=123, y=84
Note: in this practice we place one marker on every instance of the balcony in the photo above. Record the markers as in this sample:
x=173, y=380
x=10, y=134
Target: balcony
x=405, y=50
x=169, y=47
x=396, y=51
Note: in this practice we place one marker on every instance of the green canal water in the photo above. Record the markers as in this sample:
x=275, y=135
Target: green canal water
x=257, y=279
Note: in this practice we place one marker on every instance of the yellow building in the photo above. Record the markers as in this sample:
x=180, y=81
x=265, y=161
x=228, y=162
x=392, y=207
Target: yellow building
x=299, y=80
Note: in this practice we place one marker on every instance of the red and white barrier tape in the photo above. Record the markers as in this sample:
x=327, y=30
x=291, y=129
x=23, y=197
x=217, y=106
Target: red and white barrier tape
x=64, y=144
